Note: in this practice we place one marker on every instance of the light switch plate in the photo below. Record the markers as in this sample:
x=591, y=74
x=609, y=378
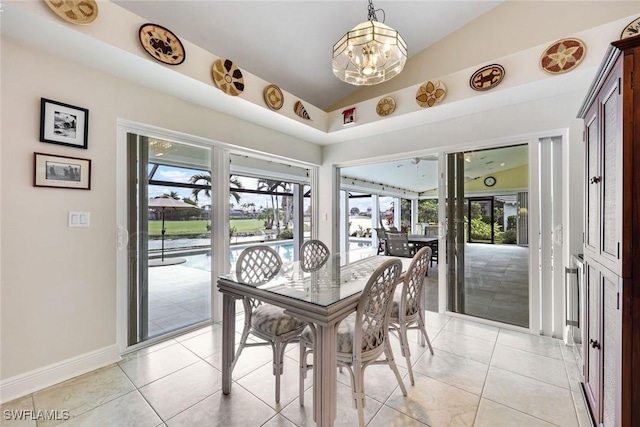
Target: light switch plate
x=79, y=219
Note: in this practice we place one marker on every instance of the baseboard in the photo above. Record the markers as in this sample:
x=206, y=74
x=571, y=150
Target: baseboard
x=29, y=382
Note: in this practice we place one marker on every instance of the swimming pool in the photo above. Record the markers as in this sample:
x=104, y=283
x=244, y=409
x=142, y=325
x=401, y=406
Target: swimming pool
x=284, y=249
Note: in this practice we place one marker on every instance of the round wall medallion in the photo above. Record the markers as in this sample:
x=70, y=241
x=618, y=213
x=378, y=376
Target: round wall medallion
x=81, y=12
x=386, y=106
x=431, y=93
x=273, y=97
x=301, y=111
x=487, y=77
x=631, y=30
x=562, y=56
x=228, y=77
x=161, y=44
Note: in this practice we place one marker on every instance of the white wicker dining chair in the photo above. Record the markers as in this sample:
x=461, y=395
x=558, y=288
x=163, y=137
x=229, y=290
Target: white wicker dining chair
x=368, y=329
x=257, y=265
x=407, y=309
x=313, y=255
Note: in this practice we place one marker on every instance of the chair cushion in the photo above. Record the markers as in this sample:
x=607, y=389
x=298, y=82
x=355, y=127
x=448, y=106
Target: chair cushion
x=395, y=308
x=346, y=330
x=273, y=320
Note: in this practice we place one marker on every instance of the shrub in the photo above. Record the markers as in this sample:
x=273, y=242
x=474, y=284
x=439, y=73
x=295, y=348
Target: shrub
x=509, y=236
x=285, y=234
x=480, y=230
x=511, y=222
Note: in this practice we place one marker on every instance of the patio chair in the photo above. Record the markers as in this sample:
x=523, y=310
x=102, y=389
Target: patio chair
x=257, y=265
x=313, y=255
x=407, y=309
x=398, y=245
x=368, y=329
x=382, y=238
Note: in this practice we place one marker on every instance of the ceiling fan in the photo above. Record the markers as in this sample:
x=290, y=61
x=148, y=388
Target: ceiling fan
x=416, y=160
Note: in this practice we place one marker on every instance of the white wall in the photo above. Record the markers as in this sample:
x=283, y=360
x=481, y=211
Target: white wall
x=59, y=283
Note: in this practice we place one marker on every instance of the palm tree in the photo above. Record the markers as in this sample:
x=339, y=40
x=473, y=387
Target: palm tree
x=270, y=185
x=205, y=179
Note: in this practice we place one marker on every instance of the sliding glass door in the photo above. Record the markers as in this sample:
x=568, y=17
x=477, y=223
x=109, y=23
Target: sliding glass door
x=487, y=265
x=169, y=198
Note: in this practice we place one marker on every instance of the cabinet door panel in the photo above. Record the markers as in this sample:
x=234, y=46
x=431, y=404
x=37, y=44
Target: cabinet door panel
x=592, y=220
x=610, y=184
x=611, y=327
x=592, y=352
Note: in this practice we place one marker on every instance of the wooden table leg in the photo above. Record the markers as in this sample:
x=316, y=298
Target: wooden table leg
x=324, y=375
x=228, y=340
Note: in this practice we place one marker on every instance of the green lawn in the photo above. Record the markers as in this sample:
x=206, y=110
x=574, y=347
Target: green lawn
x=247, y=224
x=195, y=227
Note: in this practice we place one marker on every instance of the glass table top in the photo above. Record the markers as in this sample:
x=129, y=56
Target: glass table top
x=343, y=275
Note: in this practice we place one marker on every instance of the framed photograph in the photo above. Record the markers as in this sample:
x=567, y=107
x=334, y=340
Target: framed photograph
x=63, y=124
x=61, y=172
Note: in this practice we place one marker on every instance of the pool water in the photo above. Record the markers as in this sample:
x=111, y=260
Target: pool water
x=203, y=261
x=284, y=249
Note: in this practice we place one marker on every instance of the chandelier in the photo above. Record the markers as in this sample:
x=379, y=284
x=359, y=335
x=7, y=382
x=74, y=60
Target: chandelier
x=370, y=53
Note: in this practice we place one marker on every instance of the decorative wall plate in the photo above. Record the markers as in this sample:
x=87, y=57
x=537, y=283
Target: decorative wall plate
x=228, y=77
x=431, y=93
x=273, y=97
x=301, y=111
x=386, y=106
x=487, y=77
x=161, y=44
x=562, y=56
x=631, y=30
x=81, y=12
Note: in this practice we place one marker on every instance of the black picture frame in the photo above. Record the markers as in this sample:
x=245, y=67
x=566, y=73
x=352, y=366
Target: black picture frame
x=63, y=124
x=52, y=170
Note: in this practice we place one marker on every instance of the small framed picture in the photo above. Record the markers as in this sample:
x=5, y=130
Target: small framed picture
x=61, y=172
x=63, y=124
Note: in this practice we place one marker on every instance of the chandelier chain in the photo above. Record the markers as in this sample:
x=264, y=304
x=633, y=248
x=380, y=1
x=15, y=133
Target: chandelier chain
x=371, y=15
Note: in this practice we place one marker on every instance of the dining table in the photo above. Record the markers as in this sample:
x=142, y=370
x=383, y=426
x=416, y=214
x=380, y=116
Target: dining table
x=323, y=298
x=420, y=240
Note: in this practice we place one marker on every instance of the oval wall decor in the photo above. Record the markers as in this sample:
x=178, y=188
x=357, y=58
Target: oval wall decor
x=81, y=12
x=301, y=111
x=431, y=93
x=562, y=56
x=386, y=106
x=161, y=44
x=228, y=77
x=487, y=77
x=273, y=97
x=631, y=30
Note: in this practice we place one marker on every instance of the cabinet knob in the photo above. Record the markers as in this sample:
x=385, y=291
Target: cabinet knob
x=594, y=344
x=595, y=179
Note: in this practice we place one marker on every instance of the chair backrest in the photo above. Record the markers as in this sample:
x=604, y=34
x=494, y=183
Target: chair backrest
x=398, y=244
x=313, y=255
x=257, y=265
x=412, y=287
x=374, y=307
x=381, y=233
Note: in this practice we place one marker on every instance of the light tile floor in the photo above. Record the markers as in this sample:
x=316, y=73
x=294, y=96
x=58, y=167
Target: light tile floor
x=480, y=375
x=497, y=283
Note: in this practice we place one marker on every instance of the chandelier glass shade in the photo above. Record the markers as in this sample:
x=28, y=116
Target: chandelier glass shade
x=370, y=53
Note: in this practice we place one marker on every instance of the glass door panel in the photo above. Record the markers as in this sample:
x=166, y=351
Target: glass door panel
x=480, y=220
x=487, y=271
x=170, y=245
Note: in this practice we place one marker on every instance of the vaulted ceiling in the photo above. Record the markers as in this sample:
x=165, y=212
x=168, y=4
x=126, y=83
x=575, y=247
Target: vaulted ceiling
x=289, y=43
